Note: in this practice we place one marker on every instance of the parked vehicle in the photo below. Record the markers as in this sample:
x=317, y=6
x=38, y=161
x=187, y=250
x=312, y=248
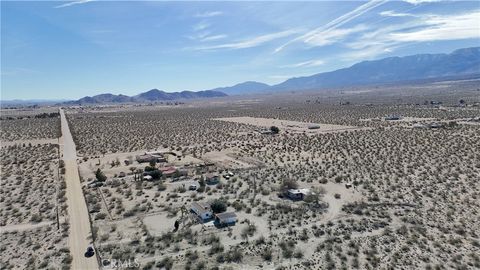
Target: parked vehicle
x=90, y=252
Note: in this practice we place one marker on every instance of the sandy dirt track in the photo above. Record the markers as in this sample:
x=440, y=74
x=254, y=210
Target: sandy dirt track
x=80, y=233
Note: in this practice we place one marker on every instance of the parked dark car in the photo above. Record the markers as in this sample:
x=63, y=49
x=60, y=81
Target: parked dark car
x=90, y=252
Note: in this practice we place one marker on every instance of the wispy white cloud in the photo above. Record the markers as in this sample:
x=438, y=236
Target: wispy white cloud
x=201, y=26
x=334, y=35
x=310, y=63
x=345, y=18
x=213, y=38
x=199, y=36
x=332, y=25
x=208, y=14
x=205, y=36
x=369, y=52
x=69, y=4
x=249, y=43
x=417, y=2
x=378, y=37
x=463, y=26
x=424, y=28
x=391, y=13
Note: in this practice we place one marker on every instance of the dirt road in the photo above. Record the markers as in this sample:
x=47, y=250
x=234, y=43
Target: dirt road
x=26, y=226
x=80, y=236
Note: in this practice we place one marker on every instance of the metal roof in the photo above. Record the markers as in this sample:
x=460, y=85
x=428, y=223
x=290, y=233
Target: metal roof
x=304, y=191
x=201, y=208
x=226, y=215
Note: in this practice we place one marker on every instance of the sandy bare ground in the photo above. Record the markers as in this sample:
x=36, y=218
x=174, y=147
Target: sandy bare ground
x=229, y=158
x=293, y=126
x=33, y=142
x=461, y=122
x=80, y=233
x=28, y=226
x=334, y=210
x=25, y=226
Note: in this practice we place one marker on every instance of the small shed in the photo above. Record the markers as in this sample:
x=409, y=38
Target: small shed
x=298, y=194
x=147, y=177
x=212, y=179
x=202, y=211
x=226, y=219
x=145, y=158
x=392, y=118
x=435, y=125
x=160, y=159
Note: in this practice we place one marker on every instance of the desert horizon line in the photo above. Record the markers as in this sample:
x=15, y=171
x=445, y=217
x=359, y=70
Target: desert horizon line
x=218, y=88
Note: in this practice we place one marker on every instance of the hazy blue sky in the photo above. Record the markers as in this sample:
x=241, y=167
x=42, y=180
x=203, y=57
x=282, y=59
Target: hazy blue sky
x=73, y=49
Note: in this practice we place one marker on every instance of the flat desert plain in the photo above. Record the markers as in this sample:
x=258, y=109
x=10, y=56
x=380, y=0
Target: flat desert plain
x=204, y=185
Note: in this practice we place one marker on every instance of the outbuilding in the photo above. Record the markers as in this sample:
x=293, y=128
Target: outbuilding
x=148, y=157
x=145, y=158
x=225, y=219
x=212, y=179
x=298, y=194
x=392, y=117
x=435, y=125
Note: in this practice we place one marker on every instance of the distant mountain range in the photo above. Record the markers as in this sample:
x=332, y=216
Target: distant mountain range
x=244, y=88
x=388, y=70
x=392, y=69
x=153, y=95
x=30, y=102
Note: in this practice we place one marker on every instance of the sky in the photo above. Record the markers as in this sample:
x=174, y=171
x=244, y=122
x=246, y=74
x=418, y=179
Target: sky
x=71, y=49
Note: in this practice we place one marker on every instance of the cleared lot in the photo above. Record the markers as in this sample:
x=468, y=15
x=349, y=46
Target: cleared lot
x=294, y=126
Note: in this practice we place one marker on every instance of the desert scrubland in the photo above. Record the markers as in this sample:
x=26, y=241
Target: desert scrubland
x=385, y=195
x=21, y=125
x=33, y=214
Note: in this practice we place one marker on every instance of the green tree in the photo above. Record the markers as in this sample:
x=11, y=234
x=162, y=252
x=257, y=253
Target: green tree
x=452, y=124
x=274, y=129
x=219, y=206
x=156, y=174
x=100, y=175
x=152, y=163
